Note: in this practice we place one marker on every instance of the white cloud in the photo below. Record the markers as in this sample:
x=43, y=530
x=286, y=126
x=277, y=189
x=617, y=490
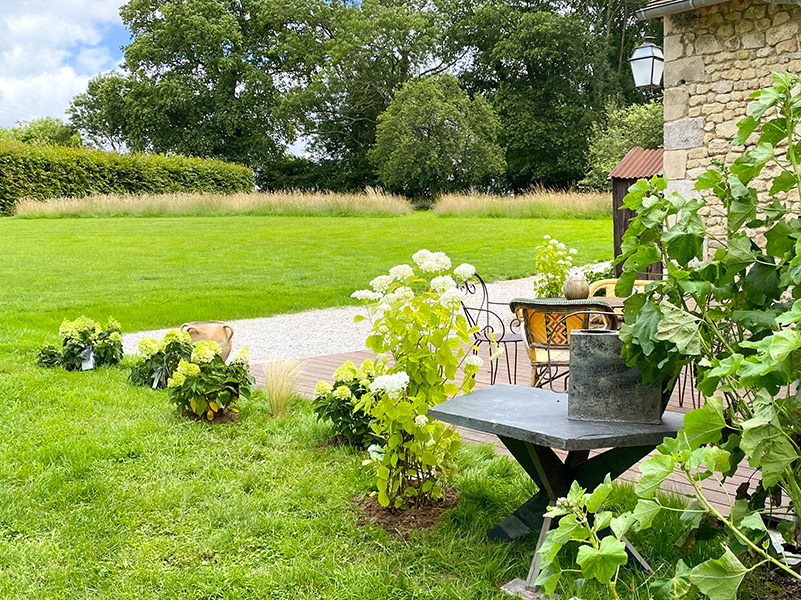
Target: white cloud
x=49, y=49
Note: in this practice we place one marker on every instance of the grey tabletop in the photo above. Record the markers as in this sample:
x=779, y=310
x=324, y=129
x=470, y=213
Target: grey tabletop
x=539, y=416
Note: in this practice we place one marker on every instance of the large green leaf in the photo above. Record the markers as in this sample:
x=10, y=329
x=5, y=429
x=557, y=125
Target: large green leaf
x=602, y=563
x=719, y=578
x=645, y=328
x=784, y=342
x=676, y=588
x=644, y=513
x=654, y=471
x=680, y=328
x=703, y=425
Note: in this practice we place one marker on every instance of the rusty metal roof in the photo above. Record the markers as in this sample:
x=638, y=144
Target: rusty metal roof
x=639, y=162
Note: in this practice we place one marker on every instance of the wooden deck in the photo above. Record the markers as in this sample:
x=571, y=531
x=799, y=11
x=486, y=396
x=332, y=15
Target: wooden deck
x=323, y=367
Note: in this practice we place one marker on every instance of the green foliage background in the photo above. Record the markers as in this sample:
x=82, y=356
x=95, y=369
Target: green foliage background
x=241, y=81
x=40, y=172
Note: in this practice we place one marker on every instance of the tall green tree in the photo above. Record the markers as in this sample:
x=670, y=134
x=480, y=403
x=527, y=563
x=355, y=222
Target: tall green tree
x=372, y=49
x=101, y=114
x=621, y=129
x=434, y=138
x=206, y=75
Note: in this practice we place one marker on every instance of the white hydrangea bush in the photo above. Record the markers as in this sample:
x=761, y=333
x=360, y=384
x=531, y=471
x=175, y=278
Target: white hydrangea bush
x=417, y=318
x=553, y=261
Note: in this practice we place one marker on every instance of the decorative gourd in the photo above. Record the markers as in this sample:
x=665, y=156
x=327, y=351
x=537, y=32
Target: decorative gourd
x=576, y=287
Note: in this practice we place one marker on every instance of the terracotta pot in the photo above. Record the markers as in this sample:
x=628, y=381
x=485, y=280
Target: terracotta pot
x=211, y=330
x=576, y=288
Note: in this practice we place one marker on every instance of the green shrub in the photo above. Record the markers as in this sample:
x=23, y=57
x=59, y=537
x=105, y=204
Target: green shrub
x=337, y=403
x=158, y=361
x=84, y=345
x=41, y=172
x=205, y=385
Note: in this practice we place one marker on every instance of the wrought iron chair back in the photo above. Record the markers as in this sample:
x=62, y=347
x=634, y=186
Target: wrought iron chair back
x=480, y=311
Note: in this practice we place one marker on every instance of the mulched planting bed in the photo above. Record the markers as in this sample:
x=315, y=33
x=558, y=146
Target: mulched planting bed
x=403, y=522
x=224, y=416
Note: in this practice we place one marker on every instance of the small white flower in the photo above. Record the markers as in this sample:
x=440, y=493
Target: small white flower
x=422, y=256
x=546, y=237
x=573, y=251
x=381, y=283
x=561, y=246
x=554, y=242
x=464, y=271
x=421, y=420
x=474, y=361
x=366, y=295
x=391, y=385
x=430, y=266
x=452, y=298
x=442, y=283
x=401, y=272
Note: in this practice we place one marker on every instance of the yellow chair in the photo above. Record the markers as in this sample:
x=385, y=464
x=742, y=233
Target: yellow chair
x=608, y=286
x=547, y=323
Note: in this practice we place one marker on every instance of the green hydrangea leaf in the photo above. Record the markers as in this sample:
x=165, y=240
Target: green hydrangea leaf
x=703, y=425
x=654, y=471
x=644, y=513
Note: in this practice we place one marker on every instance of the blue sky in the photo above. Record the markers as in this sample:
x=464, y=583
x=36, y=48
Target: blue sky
x=49, y=49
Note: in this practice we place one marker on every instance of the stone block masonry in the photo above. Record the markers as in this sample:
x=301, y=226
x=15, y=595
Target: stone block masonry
x=713, y=61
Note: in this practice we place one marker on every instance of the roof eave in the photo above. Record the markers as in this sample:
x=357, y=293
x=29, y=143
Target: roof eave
x=671, y=8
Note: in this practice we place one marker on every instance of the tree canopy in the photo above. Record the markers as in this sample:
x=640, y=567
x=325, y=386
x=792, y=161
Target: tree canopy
x=434, y=138
x=241, y=79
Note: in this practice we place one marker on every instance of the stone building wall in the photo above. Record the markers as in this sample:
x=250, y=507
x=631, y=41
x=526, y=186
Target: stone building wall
x=713, y=61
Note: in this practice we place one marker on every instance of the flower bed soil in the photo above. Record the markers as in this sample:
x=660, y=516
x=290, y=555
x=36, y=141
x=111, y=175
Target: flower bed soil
x=403, y=522
x=224, y=416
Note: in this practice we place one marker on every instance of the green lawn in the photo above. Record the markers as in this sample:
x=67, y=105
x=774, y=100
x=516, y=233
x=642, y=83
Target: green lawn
x=104, y=494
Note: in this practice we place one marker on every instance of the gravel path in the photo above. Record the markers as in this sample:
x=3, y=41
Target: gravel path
x=316, y=332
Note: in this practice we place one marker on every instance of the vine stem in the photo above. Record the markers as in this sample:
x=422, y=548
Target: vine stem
x=699, y=494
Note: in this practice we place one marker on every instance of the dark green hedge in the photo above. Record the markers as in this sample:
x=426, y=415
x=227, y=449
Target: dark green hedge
x=41, y=172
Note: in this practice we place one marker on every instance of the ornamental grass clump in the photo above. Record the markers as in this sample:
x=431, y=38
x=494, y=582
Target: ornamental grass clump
x=417, y=319
x=281, y=384
x=85, y=345
x=206, y=386
x=553, y=261
x=158, y=360
x=337, y=403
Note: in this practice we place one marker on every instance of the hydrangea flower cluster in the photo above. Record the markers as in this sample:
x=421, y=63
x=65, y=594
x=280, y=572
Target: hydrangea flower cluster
x=392, y=385
x=73, y=330
x=465, y=271
x=431, y=262
x=242, y=357
x=553, y=260
x=205, y=351
x=442, y=283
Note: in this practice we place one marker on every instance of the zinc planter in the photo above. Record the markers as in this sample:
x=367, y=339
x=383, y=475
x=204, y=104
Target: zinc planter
x=603, y=388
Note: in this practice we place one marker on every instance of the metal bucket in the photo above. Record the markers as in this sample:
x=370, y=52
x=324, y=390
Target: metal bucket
x=602, y=387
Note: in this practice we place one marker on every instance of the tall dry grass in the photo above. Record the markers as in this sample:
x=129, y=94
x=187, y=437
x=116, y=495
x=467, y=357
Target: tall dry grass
x=281, y=384
x=372, y=202
x=535, y=204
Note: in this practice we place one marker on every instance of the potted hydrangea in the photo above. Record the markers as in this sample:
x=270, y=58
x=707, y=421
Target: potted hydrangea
x=158, y=360
x=85, y=345
x=208, y=388
x=554, y=261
